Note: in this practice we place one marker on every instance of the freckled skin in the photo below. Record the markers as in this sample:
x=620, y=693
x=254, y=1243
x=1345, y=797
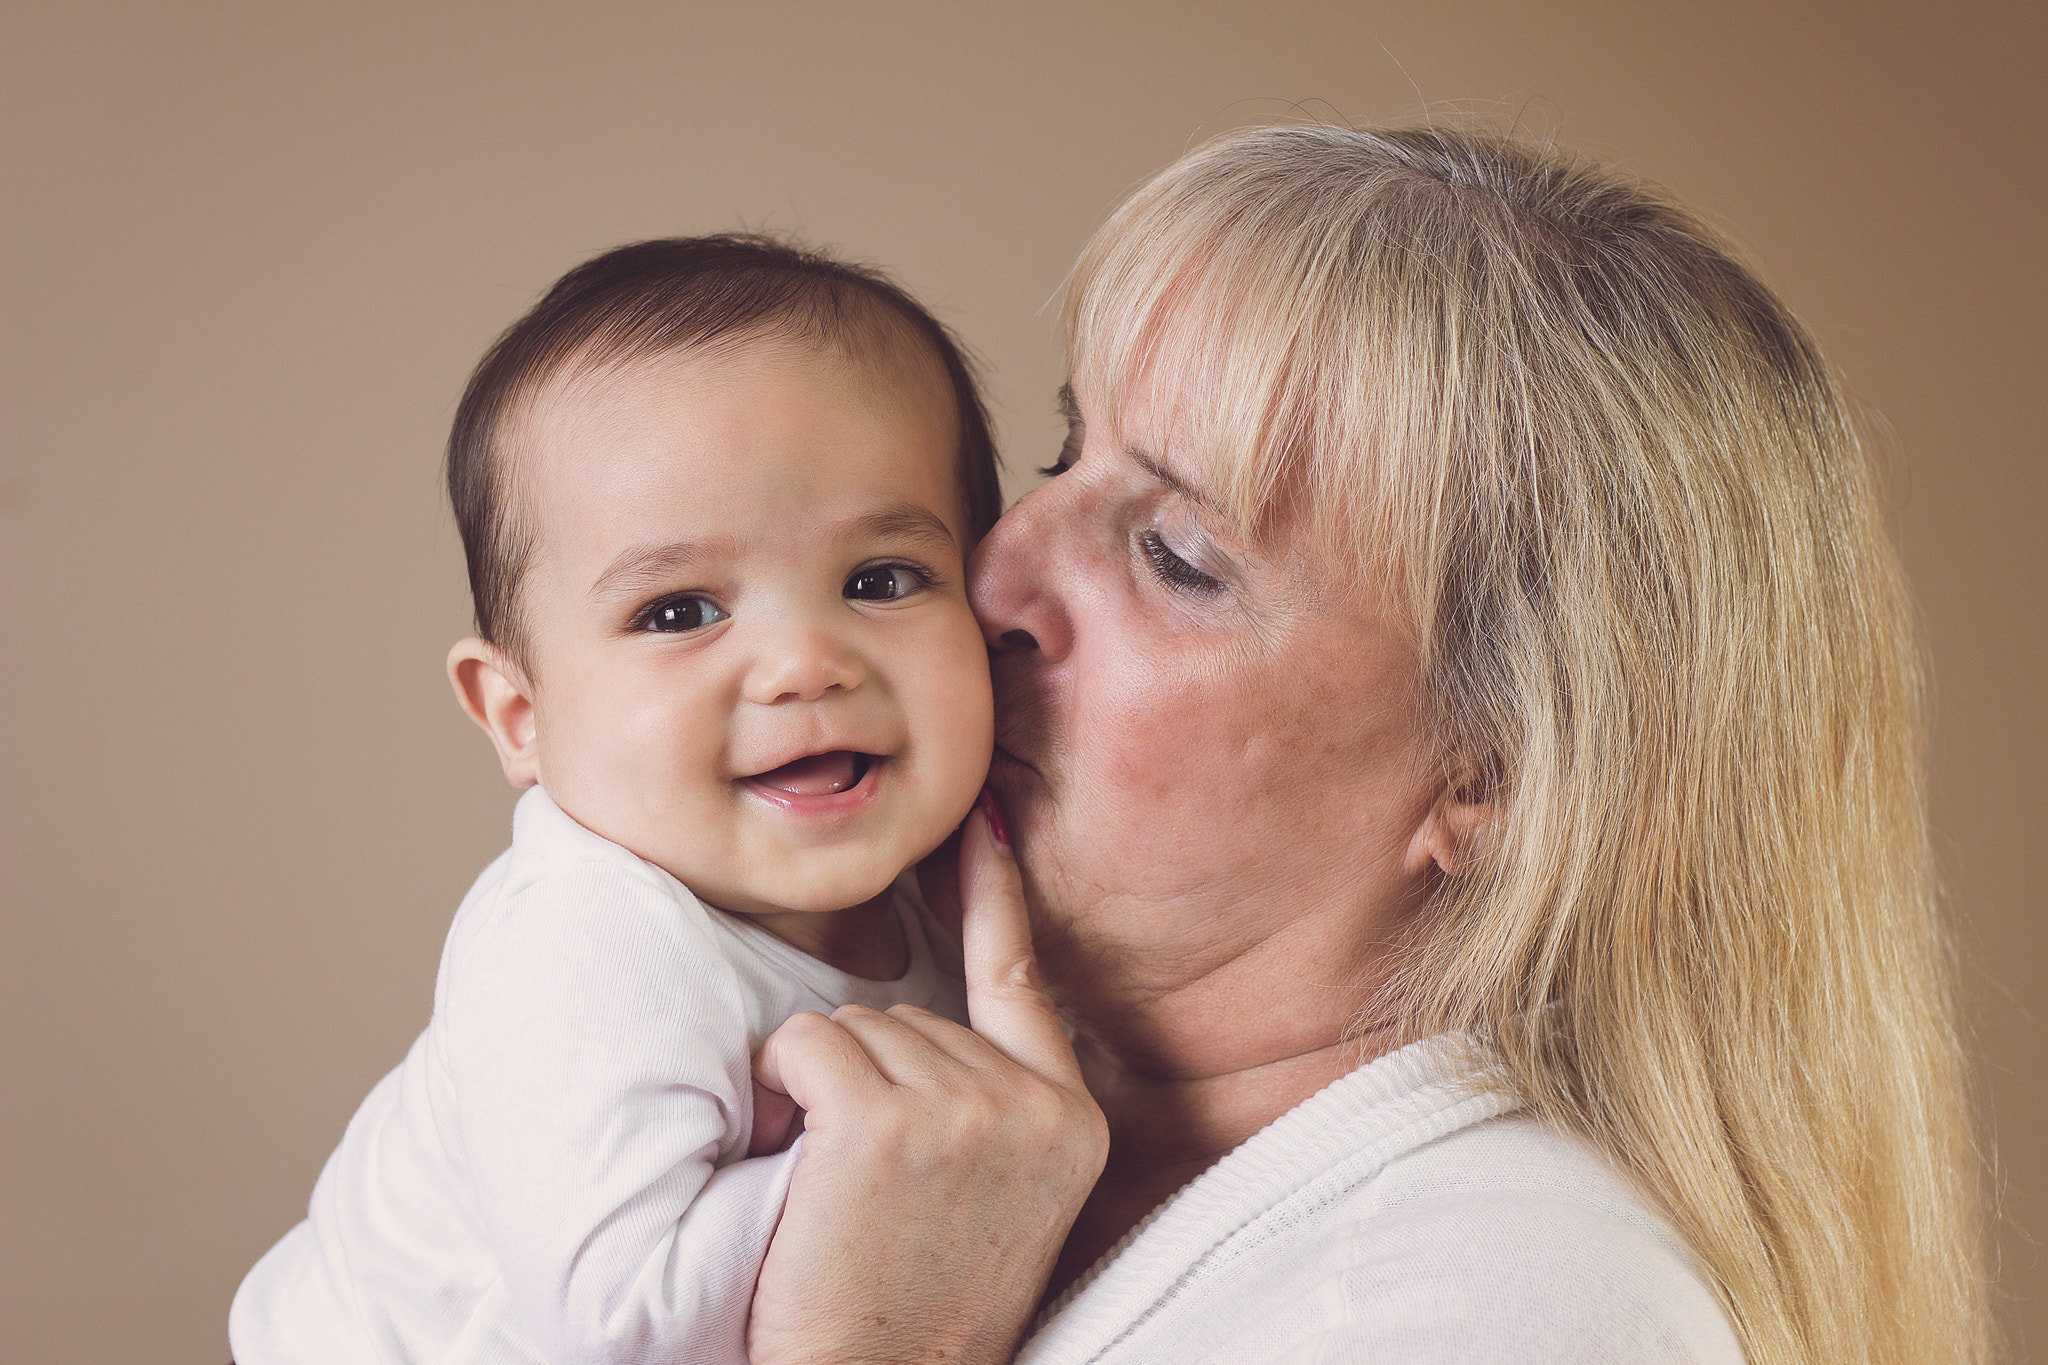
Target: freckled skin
x=1224, y=801
x=1166, y=759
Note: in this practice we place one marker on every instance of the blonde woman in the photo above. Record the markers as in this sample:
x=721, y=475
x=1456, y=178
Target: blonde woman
x=1458, y=724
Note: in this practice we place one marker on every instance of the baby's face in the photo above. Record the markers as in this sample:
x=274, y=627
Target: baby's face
x=751, y=654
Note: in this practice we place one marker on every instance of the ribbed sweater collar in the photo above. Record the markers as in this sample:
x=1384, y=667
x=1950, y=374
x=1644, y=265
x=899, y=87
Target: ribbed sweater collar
x=1311, y=1155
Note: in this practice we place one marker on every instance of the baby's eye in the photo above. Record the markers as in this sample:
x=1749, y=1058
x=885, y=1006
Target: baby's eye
x=886, y=583
x=677, y=614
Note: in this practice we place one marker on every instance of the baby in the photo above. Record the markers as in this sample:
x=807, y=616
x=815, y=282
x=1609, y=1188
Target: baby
x=717, y=496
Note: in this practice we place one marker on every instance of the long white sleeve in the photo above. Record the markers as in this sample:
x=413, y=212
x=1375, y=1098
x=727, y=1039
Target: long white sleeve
x=599, y=1071
x=556, y=1173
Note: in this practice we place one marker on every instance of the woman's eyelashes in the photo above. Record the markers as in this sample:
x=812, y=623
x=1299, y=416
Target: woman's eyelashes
x=1068, y=454
x=1169, y=568
x=680, y=613
x=1166, y=563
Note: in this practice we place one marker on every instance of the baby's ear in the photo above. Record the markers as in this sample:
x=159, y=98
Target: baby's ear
x=492, y=689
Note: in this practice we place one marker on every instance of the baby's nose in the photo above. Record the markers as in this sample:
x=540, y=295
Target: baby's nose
x=802, y=665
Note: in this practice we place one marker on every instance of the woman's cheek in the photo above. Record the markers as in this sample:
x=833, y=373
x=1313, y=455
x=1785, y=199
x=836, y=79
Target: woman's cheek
x=1173, y=768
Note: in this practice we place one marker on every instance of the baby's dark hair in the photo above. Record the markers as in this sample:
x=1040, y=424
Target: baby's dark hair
x=662, y=297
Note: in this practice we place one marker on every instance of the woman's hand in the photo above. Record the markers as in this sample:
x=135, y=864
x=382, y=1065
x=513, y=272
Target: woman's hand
x=941, y=1167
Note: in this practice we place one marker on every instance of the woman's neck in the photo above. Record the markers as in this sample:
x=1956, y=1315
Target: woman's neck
x=1192, y=1051
x=1167, y=1129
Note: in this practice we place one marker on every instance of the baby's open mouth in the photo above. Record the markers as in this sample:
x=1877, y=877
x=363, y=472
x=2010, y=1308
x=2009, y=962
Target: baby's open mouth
x=817, y=775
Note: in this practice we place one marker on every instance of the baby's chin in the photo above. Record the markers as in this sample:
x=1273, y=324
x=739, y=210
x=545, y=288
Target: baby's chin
x=844, y=889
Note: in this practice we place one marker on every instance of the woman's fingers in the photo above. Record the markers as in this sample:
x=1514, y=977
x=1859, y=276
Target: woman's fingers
x=817, y=1064
x=941, y=1167
x=910, y=1046
x=1005, y=1001
x=776, y=1121
x=925, y=1215
x=1017, y=1035
x=1013, y=1018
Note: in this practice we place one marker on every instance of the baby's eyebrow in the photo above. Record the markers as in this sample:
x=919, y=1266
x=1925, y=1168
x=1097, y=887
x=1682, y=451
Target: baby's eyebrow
x=906, y=521
x=644, y=566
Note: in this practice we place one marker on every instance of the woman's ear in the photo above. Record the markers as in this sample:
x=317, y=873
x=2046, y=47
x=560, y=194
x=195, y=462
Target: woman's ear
x=494, y=692
x=1449, y=835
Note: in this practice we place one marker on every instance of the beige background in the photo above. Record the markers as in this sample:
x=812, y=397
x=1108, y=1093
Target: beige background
x=253, y=250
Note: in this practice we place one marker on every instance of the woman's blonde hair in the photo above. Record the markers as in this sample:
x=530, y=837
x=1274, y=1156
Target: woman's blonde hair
x=1612, y=481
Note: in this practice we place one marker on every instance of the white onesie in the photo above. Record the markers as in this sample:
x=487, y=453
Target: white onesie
x=556, y=1171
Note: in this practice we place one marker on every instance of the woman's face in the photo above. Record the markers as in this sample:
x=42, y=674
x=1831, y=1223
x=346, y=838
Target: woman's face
x=1211, y=759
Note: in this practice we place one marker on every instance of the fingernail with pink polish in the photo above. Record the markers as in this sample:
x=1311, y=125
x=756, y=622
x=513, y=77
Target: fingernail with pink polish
x=998, y=827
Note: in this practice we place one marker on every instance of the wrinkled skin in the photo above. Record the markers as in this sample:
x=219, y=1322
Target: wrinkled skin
x=1226, y=809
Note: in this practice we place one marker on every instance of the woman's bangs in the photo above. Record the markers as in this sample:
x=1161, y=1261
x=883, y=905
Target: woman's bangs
x=1220, y=336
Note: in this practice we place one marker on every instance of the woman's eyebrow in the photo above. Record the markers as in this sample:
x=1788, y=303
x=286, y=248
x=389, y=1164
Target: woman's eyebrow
x=1202, y=498
x=1071, y=410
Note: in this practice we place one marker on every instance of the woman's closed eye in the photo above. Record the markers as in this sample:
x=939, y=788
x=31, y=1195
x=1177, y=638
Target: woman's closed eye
x=887, y=582
x=1069, y=452
x=680, y=613
x=1172, y=570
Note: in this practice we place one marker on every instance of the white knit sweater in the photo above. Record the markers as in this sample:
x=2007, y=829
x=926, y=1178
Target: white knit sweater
x=1400, y=1217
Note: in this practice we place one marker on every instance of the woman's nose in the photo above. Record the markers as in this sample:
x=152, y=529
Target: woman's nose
x=1013, y=579
x=801, y=663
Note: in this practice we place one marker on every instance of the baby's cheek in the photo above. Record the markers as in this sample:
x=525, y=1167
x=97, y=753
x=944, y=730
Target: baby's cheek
x=963, y=758
x=962, y=701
